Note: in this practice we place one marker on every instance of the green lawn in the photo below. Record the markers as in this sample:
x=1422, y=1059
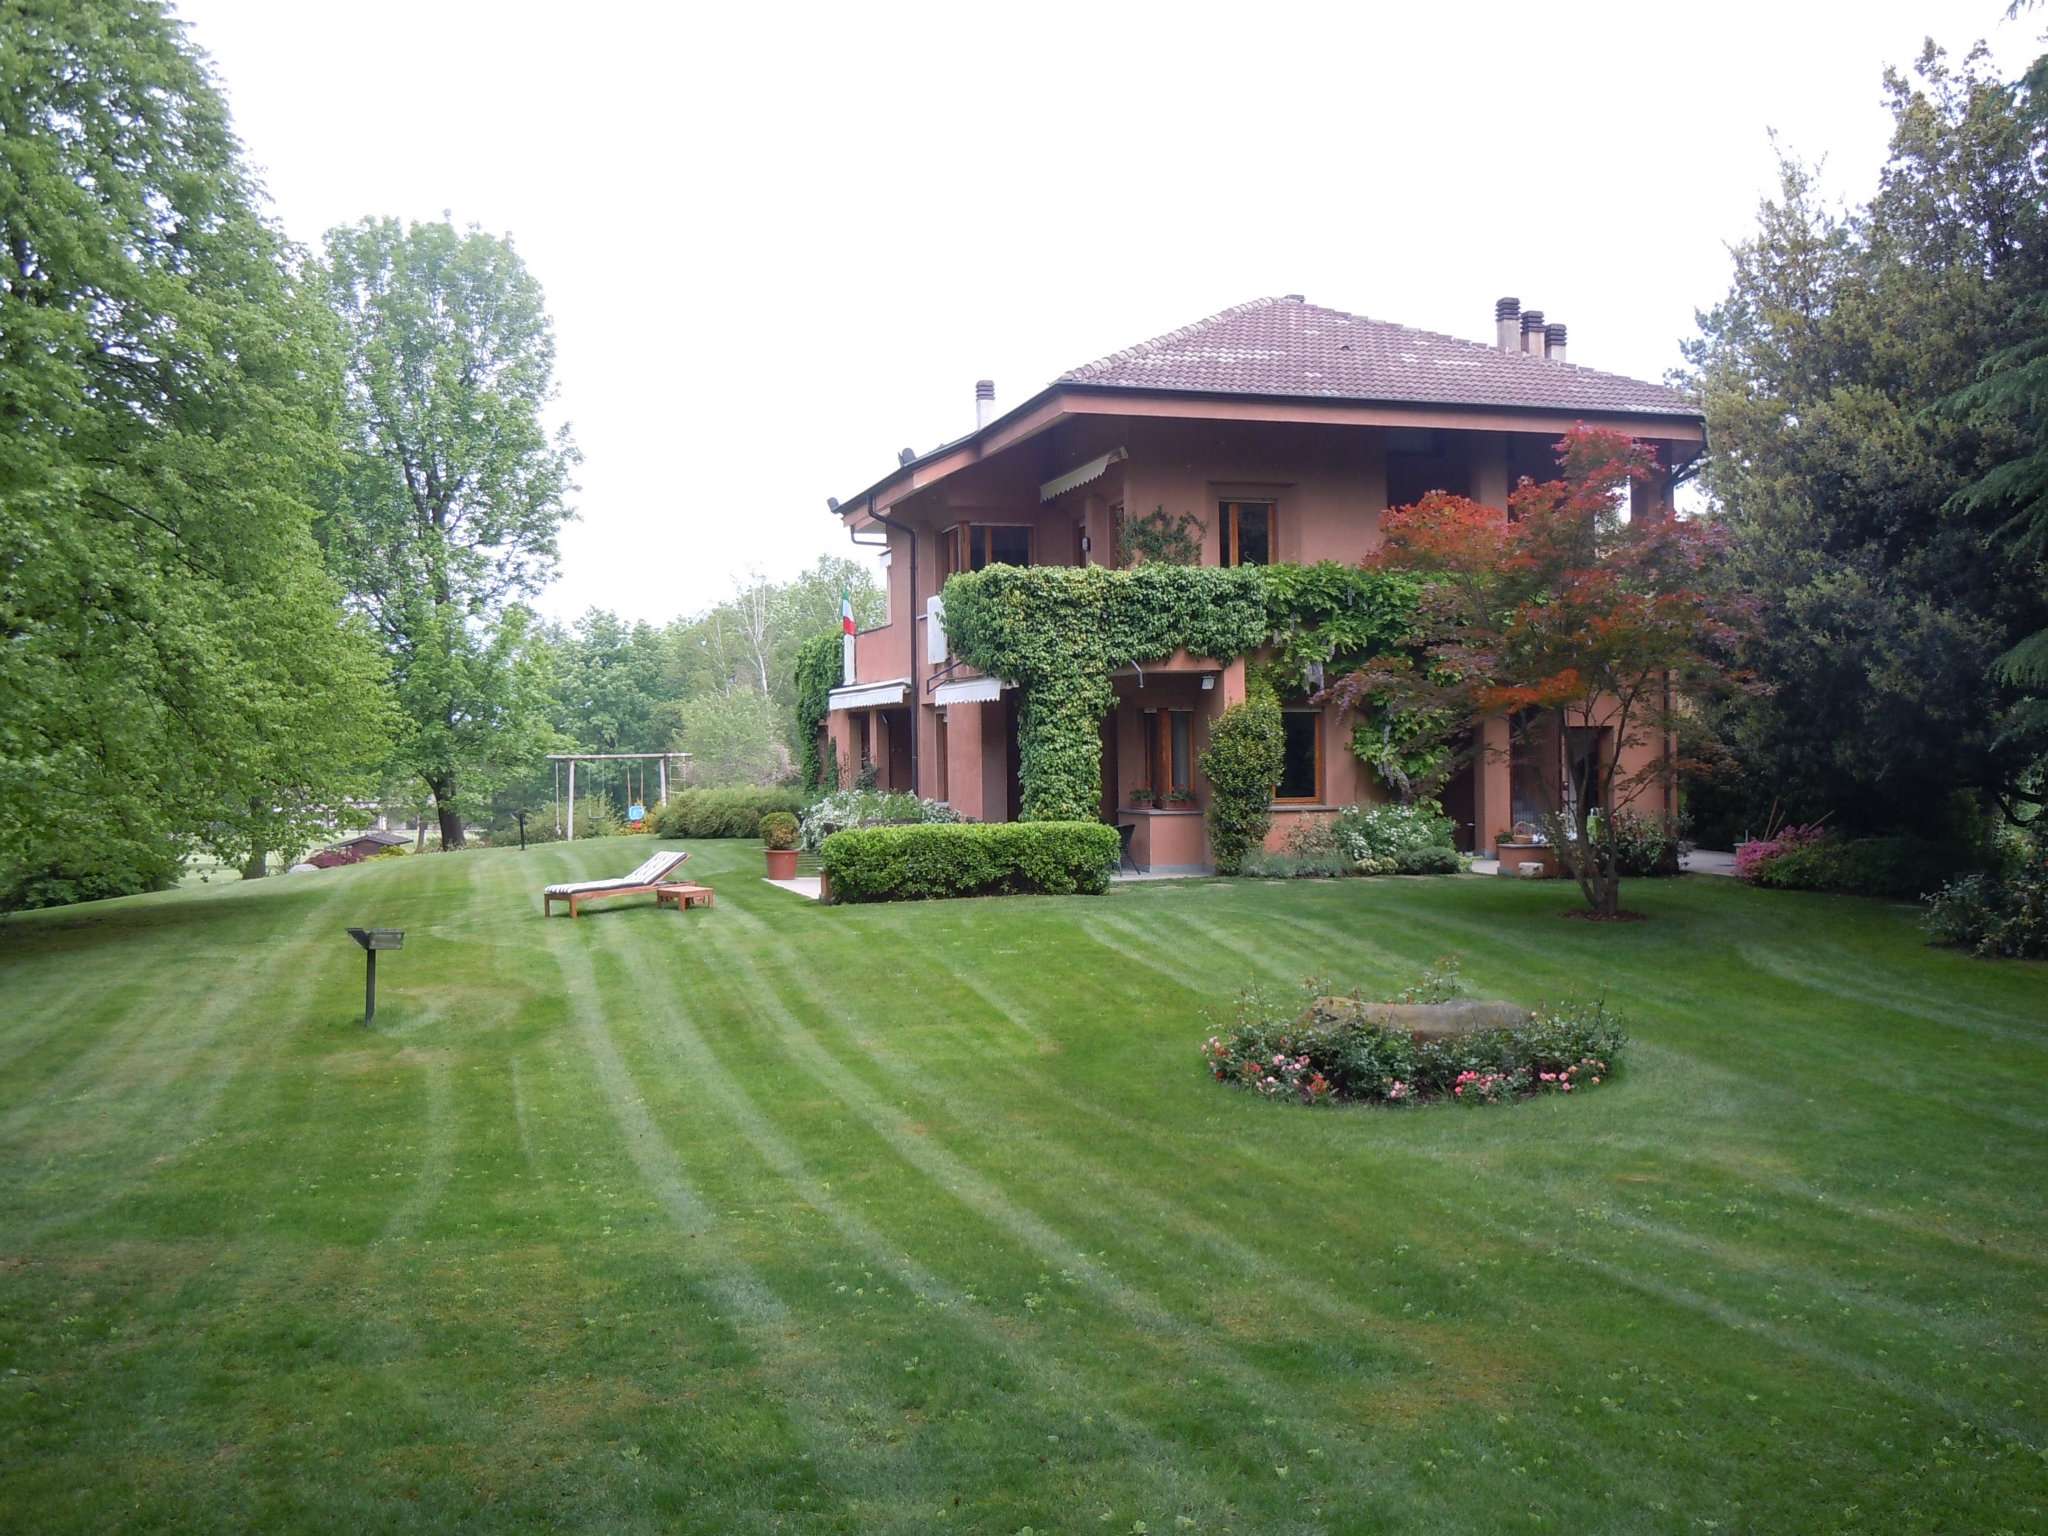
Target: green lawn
x=781, y=1218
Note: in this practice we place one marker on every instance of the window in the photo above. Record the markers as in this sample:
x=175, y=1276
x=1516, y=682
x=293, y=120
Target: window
x=1004, y=546
x=1169, y=752
x=970, y=546
x=1301, y=763
x=1246, y=532
x=940, y=778
x=1420, y=460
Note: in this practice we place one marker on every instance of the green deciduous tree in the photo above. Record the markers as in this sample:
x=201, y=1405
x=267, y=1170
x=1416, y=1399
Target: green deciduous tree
x=175, y=669
x=1880, y=525
x=733, y=738
x=452, y=490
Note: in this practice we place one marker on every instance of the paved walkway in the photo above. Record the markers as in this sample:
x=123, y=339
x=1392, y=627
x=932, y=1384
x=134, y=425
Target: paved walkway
x=806, y=886
x=1701, y=861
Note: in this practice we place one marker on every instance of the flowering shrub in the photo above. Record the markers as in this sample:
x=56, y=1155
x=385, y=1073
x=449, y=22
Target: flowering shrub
x=1755, y=856
x=1376, y=832
x=1288, y=1048
x=867, y=808
x=1805, y=859
x=1644, y=847
x=1365, y=840
x=1995, y=915
x=1490, y=1087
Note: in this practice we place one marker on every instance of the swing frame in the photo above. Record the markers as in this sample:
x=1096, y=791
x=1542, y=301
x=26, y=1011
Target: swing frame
x=660, y=759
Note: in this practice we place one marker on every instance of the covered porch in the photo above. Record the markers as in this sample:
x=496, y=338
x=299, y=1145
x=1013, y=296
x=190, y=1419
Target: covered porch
x=868, y=726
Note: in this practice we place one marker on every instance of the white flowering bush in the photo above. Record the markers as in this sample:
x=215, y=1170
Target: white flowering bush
x=867, y=808
x=1388, y=831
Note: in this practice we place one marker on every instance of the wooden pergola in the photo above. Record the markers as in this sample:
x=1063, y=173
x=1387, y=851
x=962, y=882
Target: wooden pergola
x=663, y=759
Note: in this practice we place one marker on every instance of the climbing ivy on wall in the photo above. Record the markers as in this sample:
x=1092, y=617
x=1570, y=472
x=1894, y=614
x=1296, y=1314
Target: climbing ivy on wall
x=1059, y=631
x=817, y=670
x=1334, y=617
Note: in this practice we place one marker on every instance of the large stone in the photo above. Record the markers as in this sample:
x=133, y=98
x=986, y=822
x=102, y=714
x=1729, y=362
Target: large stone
x=1422, y=1022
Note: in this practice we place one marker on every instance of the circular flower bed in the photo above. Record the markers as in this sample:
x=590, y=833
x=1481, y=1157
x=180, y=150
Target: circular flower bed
x=1415, y=1048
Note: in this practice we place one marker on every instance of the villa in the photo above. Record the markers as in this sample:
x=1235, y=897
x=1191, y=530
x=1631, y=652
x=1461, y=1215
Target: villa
x=1285, y=429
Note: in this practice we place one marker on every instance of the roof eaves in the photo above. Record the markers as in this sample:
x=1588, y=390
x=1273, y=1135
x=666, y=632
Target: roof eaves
x=1399, y=402
x=855, y=502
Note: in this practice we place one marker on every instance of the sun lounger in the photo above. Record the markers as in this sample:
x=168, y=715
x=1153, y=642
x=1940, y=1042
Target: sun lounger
x=654, y=872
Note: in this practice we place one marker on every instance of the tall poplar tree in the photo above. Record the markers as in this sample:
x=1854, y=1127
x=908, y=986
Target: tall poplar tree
x=452, y=491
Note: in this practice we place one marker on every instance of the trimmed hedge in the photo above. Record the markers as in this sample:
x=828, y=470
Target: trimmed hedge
x=1899, y=868
x=940, y=859
x=723, y=812
x=1243, y=762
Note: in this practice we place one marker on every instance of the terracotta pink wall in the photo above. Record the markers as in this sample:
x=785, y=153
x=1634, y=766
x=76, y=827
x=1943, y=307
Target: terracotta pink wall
x=977, y=779
x=1329, y=484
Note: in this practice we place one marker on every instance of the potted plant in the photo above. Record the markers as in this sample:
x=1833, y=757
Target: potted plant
x=778, y=833
x=1179, y=797
x=1141, y=797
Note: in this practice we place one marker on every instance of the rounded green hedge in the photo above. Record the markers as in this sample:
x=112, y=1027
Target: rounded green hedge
x=939, y=859
x=733, y=812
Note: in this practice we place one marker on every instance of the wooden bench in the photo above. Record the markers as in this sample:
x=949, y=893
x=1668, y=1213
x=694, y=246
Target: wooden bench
x=683, y=897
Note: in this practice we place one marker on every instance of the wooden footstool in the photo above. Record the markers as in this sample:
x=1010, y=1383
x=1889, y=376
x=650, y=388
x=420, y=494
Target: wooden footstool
x=683, y=897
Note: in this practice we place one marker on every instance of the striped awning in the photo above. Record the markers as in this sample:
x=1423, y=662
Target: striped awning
x=1094, y=469
x=869, y=695
x=972, y=690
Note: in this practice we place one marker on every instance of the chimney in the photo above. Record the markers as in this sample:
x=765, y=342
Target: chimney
x=1553, y=342
x=905, y=455
x=1532, y=331
x=1507, y=322
x=984, y=402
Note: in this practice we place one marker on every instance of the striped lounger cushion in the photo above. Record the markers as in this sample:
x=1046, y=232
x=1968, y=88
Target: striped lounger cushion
x=648, y=873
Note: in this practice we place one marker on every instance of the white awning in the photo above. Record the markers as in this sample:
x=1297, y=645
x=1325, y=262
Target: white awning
x=869, y=695
x=1092, y=470
x=973, y=690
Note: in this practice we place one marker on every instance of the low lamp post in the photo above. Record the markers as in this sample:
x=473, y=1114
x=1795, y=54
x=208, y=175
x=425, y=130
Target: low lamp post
x=372, y=940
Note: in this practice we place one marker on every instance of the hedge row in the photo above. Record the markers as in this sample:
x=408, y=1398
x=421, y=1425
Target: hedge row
x=1900, y=868
x=723, y=812
x=1060, y=858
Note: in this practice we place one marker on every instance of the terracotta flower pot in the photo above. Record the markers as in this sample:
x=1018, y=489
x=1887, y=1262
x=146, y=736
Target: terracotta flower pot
x=781, y=863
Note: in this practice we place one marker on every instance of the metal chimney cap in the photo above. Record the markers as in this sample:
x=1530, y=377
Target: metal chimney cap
x=1295, y=298
x=831, y=503
x=984, y=389
x=1532, y=320
x=1554, y=334
x=905, y=455
x=1506, y=309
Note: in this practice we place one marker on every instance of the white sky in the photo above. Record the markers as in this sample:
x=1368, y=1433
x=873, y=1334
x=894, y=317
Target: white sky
x=779, y=246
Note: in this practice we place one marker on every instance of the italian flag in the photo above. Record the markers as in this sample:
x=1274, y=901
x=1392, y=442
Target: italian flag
x=846, y=611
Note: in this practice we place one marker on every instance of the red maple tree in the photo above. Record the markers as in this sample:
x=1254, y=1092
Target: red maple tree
x=1562, y=613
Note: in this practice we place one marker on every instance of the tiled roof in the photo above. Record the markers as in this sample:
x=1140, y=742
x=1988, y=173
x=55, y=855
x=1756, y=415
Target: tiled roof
x=1287, y=347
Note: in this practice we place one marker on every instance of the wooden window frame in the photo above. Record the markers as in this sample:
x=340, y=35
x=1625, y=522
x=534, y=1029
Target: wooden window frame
x=1315, y=797
x=1179, y=722
x=1227, y=541
x=956, y=544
